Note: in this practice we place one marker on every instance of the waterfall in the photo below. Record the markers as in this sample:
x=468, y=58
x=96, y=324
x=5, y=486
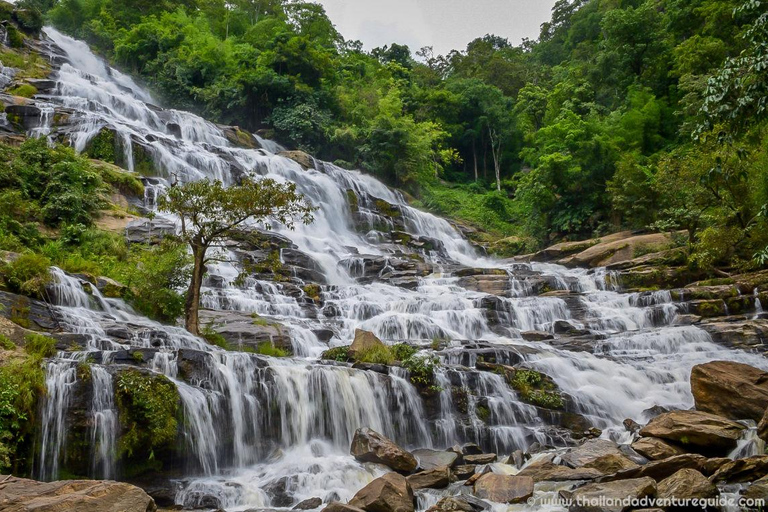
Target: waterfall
x=252, y=423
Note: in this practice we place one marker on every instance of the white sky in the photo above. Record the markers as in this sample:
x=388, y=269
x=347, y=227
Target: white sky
x=444, y=24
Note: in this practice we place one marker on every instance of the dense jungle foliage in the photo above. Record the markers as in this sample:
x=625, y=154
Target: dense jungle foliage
x=636, y=114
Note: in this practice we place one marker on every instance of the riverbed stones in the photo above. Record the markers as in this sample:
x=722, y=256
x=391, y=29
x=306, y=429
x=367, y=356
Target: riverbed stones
x=696, y=430
x=481, y=458
x=590, y=451
x=585, y=499
x=22, y=495
x=388, y=493
x=336, y=506
x=370, y=446
x=611, y=463
x=547, y=471
x=309, y=504
x=685, y=485
x=733, y=390
x=742, y=470
x=654, y=448
x=504, y=488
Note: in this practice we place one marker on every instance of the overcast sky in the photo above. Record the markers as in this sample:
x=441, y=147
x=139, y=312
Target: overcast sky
x=443, y=24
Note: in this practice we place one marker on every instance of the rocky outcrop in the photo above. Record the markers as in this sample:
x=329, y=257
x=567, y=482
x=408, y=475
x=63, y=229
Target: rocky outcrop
x=742, y=470
x=22, y=495
x=504, y=488
x=370, y=446
x=303, y=159
x=244, y=332
x=653, y=448
x=695, y=430
x=389, y=493
x=733, y=390
x=146, y=231
x=363, y=342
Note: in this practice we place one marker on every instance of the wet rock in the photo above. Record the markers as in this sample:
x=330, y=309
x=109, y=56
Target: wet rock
x=336, y=506
x=742, y=470
x=589, y=451
x=464, y=471
x=685, y=485
x=517, y=459
x=430, y=459
x=464, y=503
x=536, y=336
x=110, y=288
x=711, y=466
x=733, y=390
x=309, y=504
x=22, y=495
x=27, y=312
x=547, y=471
x=757, y=491
x=611, y=492
x=483, y=458
x=471, y=449
x=436, y=478
x=146, y=231
x=631, y=425
x=661, y=469
x=370, y=446
x=491, y=284
x=303, y=159
x=278, y=492
x=504, y=488
x=737, y=333
x=654, y=448
x=389, y=493
x=611, y=463
x=243, y=330
x=699, y=431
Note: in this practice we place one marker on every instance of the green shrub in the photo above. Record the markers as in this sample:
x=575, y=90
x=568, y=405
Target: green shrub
x=29, y=18
x=267, y=348
x=23, y=90
x=22, y=383
x=15, y=39
x=340, y=354
x=532, y=387
x=422, y=370
x=402, y=351
x=213, y=337
x=28, y=274
x=376, y=354
x=148, y=407
x=39, y=345
x=6, y=343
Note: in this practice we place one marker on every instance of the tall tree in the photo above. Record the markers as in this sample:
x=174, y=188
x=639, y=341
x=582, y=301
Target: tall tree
x=209, y=213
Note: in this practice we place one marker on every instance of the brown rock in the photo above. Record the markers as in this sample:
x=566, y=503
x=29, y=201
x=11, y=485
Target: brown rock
x=762, y=427
x=589, y=451
x=742, y=470
x=661, y=469
x=308, y=504
x=22, y=495
x=336, y=506
x=464, y=471
x=364, y=341
x=483, y=458
x=504, y=488
x=436, y=478
x=300, y=157
x=611, y=463
x=370, y=446
x=686, y=484
x=550, y=472
x=699, y=431
x=711, y=466
x=733, y=390
x=614, y=492
x=653, y=448
x=430, y=459
x=389, y=493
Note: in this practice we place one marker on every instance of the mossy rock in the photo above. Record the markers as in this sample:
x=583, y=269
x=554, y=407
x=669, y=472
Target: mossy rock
x=352, y=200
x=388, y=209
x=708, y=308
x=509, y=246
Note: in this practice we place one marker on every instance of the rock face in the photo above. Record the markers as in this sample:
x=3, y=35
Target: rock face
x=686, y=484
x=654, y=448
x=636, y=488
x=696, y=430
x=732, y=390
x=22, y=495
x=504, y=488
x=145, y=231
x=389, y=493
x=370, y=446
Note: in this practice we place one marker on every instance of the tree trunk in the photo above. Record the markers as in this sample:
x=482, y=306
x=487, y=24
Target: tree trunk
x=496, y=153
x=192, y=305
x=474, y=156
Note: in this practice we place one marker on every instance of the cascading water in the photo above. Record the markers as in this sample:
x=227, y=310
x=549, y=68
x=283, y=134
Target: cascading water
x=252, y=422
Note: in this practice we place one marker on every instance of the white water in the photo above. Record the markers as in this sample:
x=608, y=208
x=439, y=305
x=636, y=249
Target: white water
x=250, y=421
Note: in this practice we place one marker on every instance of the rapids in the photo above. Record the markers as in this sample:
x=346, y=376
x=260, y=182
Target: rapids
x=253, y=423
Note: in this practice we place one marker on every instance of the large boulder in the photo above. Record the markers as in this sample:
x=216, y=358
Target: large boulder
x=685, y=485
x=548, y=471
x=336, y=506
x=146, y=231
x=22, y=495
x=590, y=451
x=587, y=498
x=696, y=430
x=504, y=488
x=742, y=470
x=653, y=448
x=661, y=469
x=435, y=478
x=370, y=446
x=389, y=493
x=303, y=159
x=431, y=459
x=733, y=390
x=611, y=463
x=465, y=503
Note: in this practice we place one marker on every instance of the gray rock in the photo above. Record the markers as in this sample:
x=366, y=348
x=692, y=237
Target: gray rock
x=146, y=231
x=584, y=497
x=430, y=459
x=370, y=446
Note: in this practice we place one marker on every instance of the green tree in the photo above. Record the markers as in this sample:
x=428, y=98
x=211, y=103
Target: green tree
x=209, y=213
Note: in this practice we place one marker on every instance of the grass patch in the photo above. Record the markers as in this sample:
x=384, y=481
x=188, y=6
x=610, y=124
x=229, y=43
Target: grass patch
x=23, y=90
x=267, y=348
x=535, y=389
x=6, y=343
x=39, y=345
x=340, y=354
